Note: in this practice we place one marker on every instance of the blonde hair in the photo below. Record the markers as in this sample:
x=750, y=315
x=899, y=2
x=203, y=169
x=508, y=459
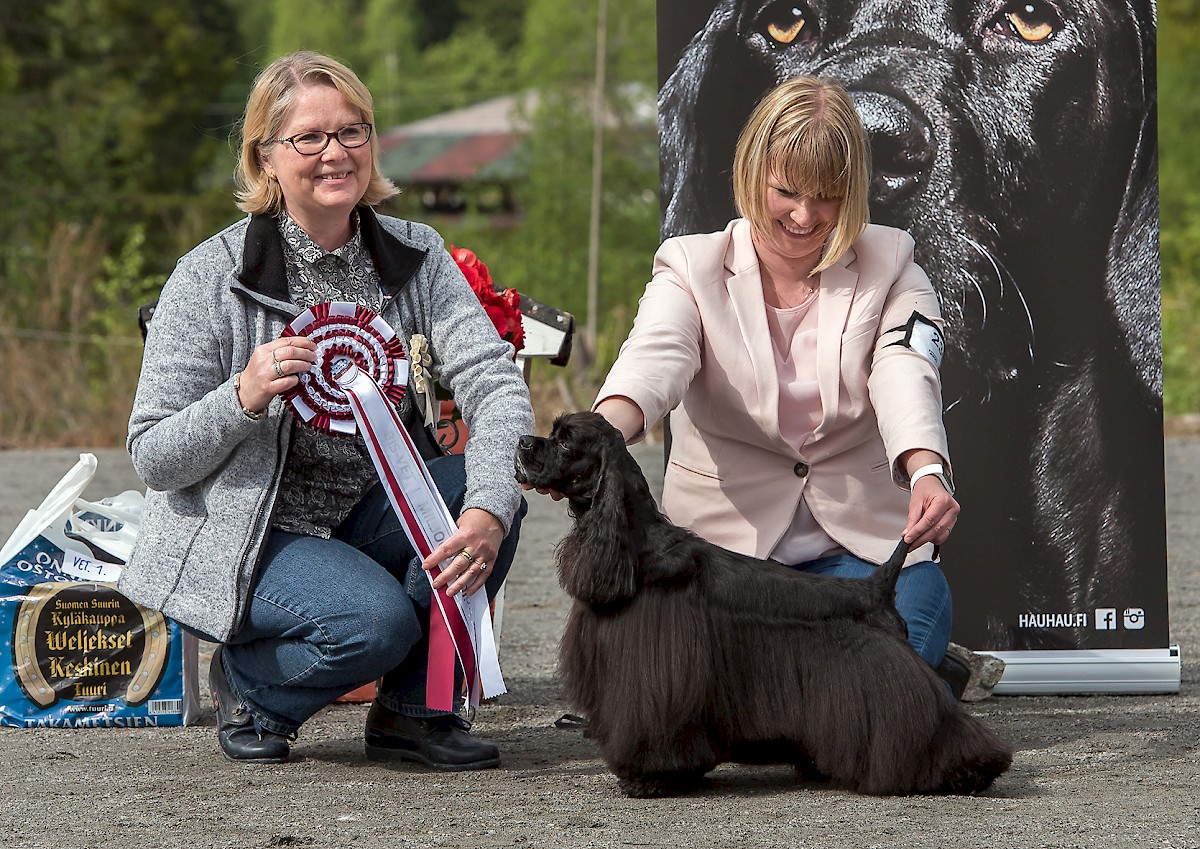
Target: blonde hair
x=271, y=98
x=808, y=134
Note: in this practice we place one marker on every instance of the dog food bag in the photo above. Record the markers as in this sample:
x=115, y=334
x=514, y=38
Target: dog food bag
x=75, y=652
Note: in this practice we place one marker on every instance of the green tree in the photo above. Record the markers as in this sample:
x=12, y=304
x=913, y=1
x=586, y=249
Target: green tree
x=557, y=63
x=100, y=127
x=255, y=21
x=106, y=155
x=466, y=68
x=390, y=45
x=1179, y=181
x=332, y=27
x=502, y=20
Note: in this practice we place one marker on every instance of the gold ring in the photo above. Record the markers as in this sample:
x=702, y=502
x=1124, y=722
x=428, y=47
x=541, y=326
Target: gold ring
x=467, y=556
x=278, y=369
x=483, y=567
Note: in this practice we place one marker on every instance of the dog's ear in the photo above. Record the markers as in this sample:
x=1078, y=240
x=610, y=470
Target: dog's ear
x=1134, y=273
x=599, y=559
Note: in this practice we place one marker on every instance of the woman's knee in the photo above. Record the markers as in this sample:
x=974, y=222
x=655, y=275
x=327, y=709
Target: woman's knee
x=375, y=633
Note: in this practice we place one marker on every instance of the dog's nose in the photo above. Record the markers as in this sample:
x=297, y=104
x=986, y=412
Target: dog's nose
x=525, y=442
x=902, y=151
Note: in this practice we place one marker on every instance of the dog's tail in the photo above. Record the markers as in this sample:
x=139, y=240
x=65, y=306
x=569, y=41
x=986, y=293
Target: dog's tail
x=886, y=575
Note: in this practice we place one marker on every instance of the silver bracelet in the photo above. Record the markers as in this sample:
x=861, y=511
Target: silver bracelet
x=237, y=389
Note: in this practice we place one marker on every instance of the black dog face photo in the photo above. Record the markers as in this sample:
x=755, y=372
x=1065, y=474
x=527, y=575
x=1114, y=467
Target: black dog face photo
x=1015, y=140
x=683, y=655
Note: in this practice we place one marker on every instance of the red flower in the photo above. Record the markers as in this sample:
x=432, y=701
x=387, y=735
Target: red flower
x=503, y=307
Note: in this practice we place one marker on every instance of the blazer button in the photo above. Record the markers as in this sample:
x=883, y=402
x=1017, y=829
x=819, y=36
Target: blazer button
x=801, y=469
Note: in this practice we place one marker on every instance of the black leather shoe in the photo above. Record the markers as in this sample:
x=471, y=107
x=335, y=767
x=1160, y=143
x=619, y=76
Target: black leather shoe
x=239, y=740
x=439, y=742
x=955, y=672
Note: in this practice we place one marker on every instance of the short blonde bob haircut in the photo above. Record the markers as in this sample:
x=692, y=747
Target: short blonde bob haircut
x=271, y=99
x=807, y=134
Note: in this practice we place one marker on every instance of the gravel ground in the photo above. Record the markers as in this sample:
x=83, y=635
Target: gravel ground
x=1097, y=771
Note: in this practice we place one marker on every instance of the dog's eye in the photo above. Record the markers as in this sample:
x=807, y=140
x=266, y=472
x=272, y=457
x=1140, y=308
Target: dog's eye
x=783, y=21
x=1029, y=21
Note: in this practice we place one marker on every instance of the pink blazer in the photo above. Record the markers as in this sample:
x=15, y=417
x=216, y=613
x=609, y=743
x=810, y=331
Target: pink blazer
x=700, y=349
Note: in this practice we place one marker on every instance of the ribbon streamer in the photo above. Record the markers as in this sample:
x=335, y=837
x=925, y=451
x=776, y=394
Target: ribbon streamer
x=360, y=373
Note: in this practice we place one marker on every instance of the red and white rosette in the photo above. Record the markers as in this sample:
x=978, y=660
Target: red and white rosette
x=360, y=373
x=344, y=332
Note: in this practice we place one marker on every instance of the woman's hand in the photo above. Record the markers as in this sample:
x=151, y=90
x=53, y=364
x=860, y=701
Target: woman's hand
x=932, y=510
x=470, y=553
x=273, y=369
x=932, y=513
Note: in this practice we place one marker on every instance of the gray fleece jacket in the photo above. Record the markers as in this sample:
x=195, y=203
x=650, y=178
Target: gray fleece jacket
x=213, y=473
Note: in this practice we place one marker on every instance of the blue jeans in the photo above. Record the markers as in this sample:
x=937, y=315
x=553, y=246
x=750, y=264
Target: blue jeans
x=922, y=598
x=328, y=615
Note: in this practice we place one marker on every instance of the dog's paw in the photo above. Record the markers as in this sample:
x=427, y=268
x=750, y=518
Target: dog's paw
x=639, y=789
x=807, y=772
x=660, y=785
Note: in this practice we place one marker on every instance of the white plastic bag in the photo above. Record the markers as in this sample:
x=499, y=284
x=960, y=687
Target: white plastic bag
x=78, y=652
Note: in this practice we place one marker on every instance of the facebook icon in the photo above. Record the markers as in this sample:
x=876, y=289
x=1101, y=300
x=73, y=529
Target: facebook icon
x=1106, y=618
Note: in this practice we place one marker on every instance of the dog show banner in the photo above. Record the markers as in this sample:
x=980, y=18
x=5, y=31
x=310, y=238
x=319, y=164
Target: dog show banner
x=1018, y=146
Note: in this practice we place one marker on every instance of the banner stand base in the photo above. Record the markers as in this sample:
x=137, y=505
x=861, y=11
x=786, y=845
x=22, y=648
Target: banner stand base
x=1125, y=671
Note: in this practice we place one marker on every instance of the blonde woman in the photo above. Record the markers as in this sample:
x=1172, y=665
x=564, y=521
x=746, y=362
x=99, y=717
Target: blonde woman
x=277, y=540
x=797, y=351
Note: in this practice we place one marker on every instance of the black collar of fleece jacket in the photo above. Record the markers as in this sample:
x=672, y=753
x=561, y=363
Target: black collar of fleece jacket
x=264, y=272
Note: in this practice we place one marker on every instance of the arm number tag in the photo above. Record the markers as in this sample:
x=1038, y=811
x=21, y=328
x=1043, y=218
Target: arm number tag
x=923, y=337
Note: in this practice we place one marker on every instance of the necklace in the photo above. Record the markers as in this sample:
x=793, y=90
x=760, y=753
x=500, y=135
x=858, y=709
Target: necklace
x=783, y=302
x=788, y=270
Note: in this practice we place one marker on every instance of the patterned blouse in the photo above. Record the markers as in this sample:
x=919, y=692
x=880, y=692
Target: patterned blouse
x=325, y=475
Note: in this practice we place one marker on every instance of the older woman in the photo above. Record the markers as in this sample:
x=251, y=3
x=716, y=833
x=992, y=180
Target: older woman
x=275, y=539
x=799, y=350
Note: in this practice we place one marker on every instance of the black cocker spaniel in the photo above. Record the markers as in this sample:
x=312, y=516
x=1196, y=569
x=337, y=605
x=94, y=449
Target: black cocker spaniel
x=684, y=655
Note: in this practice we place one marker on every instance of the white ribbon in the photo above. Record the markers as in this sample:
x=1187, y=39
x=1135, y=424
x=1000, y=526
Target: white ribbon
x=424, y=516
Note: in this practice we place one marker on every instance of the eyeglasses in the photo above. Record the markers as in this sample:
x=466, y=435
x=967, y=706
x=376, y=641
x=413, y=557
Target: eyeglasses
x=315, y=141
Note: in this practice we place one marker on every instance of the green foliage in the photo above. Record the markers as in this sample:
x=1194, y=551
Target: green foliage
x=558, y=62
x=389, y=40
x=559, y=46
x=331, y=27
x=125, y=285
x=502, y=20
x=1179, y=182
x=1181, y=307
x=108, y=121
x=466, y=68
x=101, y=128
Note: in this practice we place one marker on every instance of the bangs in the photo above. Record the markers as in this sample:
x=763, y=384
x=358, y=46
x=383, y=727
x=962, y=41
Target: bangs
x=812, y=162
